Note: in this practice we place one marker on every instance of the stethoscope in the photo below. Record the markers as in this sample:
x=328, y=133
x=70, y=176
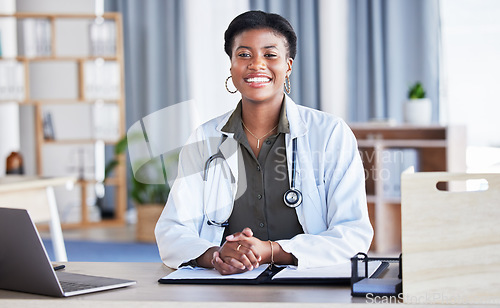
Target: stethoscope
x=292, y=197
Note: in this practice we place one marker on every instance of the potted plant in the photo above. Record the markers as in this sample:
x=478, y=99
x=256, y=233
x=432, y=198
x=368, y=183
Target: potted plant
x=418, y=108
x=149, y=199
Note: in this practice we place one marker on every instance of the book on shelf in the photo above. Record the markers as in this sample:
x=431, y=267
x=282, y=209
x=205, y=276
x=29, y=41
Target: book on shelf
x=102, y=80
x=106, y=121
x=48, y=127
x=102, y=37
x=34, y=37
x=11, y=80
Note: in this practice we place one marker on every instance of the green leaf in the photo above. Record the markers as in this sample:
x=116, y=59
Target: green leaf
x=416, y=91
x=121, y=146
x=110, y=167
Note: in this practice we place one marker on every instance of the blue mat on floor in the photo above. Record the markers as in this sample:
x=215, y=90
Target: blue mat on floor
x=86, y=251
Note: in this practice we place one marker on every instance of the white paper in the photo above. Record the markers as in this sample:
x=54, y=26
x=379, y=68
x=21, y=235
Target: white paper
x=338, y=271
x=204, y=273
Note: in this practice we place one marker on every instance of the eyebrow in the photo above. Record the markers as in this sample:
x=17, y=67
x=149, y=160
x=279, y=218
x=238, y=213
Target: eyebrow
x=265, y=47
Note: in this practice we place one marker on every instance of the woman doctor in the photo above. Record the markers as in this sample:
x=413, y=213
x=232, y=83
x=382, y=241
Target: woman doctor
x=271, y=181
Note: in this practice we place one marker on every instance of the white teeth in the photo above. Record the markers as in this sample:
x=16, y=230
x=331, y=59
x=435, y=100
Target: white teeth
x=258, y=79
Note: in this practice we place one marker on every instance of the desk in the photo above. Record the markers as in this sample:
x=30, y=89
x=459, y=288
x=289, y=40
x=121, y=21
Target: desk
x=148, y=292
x=36, y=194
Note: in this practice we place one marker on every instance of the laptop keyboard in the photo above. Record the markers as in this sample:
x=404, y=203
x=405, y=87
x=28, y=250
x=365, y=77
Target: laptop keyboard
x=69, y=286
x=73, y=283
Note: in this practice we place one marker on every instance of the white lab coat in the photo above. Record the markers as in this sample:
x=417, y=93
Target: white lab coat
x=330, y=176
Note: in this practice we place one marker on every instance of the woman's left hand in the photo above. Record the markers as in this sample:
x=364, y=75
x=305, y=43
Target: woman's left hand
x=247, y=240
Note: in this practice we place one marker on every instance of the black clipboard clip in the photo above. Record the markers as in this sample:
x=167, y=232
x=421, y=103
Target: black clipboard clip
x=361, y=285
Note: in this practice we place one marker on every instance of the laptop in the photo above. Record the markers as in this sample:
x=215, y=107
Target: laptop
x=25, y=265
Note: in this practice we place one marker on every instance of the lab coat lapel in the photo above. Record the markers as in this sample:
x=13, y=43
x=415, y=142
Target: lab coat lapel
x=297, y=126
x=230, y=150
x=297, y=130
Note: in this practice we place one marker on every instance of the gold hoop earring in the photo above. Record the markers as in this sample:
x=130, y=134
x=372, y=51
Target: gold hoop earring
x=288, y=85
x=232, y=92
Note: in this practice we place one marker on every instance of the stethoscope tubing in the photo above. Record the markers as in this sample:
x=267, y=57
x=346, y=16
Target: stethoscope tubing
x=297, y=195
x=294, y=158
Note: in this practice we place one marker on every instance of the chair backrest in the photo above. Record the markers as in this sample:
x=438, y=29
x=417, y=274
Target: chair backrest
x=450, y=239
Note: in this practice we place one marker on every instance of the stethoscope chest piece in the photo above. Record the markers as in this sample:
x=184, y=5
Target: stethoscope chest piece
x=292, y=197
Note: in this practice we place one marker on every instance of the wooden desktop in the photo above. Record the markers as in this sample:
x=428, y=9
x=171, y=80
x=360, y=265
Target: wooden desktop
x=148, y=292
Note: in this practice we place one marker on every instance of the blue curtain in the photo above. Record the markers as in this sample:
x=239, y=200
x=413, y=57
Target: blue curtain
x=303, y=15
x=392, y=45
x=155, y=64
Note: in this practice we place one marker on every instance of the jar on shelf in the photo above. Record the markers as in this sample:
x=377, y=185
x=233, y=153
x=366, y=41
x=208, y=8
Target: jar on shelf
x=14, y=164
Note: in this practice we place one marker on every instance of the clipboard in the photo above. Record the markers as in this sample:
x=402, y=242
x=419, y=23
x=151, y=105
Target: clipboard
x=271, y=275
x=262, y=275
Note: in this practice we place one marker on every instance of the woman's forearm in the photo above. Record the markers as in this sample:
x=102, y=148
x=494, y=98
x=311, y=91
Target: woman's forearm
x=279, y=256
x=205, y=260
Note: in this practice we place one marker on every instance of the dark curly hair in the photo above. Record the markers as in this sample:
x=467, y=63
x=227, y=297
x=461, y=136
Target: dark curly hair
x=258, y=20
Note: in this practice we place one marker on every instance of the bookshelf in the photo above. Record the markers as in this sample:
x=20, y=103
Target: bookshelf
x=70, y=69
x=384, y=151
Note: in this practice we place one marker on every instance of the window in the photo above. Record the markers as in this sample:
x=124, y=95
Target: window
x=471, y=76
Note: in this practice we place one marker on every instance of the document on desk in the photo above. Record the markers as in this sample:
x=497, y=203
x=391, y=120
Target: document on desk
x=333, y=275
x=336, y=274
x=205, y=273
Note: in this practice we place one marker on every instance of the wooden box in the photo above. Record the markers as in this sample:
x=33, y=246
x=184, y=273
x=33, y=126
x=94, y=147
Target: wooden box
x=450, y=239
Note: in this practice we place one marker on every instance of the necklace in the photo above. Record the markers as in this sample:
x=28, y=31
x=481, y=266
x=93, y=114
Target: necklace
x=258, y=139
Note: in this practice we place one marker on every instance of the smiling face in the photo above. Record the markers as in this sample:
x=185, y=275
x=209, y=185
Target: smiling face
x=259, y=65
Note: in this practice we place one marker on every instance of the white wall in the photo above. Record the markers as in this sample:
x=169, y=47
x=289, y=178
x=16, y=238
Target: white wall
x=333, y=38
x=471, y=49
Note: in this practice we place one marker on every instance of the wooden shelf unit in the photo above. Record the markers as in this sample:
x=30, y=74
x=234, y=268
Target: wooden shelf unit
x=119, y=179
x=439, y=148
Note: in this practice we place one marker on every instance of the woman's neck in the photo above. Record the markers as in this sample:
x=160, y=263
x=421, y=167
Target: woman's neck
x=259, y=118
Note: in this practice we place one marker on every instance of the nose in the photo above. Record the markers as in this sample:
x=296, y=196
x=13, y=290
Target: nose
x=257, y=63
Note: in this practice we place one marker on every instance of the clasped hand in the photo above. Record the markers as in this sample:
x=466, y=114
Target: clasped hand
x=240, y=253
